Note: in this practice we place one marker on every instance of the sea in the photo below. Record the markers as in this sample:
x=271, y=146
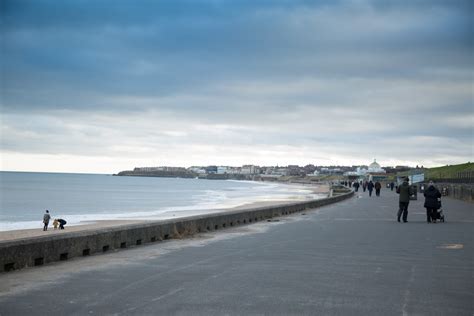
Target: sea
x=85, y=198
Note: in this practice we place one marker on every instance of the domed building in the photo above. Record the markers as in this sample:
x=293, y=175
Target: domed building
x=375, y=168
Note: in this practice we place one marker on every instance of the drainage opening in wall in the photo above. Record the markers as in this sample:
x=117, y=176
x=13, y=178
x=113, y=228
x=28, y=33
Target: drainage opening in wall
x=86, y=252
x=9, y=267
x=63, y=256
x=105, y=248
x=123, y=245
x=39, y=261
x=139, y=242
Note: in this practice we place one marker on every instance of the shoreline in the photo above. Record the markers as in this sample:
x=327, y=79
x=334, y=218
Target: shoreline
x=10, y=235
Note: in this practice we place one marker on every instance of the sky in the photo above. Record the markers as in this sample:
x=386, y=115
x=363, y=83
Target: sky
x=105, y=86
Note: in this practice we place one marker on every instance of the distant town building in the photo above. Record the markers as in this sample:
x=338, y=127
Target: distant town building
x=326, y=170
x=375, y=168
x=164, y=168
x=222, y=170
x=250, y=169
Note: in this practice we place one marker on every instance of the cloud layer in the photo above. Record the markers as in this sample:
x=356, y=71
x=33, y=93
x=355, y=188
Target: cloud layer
x=100, y=86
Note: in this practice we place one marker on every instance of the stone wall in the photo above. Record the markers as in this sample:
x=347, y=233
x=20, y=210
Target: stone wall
x=38, y=251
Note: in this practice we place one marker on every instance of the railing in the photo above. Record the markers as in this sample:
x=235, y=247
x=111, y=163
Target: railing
x=453, y=180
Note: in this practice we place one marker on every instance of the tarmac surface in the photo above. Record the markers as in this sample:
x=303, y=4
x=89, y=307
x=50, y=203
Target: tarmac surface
x=350, y=258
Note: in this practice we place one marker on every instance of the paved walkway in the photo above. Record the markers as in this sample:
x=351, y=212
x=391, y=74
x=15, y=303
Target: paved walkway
x=351, y=258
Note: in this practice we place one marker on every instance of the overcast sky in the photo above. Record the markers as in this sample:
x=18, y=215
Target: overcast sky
x=104, y=86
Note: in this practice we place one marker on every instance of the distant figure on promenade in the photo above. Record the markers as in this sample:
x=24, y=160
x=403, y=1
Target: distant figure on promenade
x=364, y=185
x=55, y=223
x=46, y=218
x=392, y=185
x=377, y=186
x=62, y=222
x=432, y=203
x=350, y=184
x=356, y=186
x=405, y=191
x=370, y=187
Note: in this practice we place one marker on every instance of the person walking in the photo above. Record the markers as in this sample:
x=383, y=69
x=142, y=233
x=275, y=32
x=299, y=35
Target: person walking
x=377, y=186
x=356, y=186
x=405, y=191
x=392, y=185
x=370, y=187
x=46, y=218
x=364, y=186
x=432, y=195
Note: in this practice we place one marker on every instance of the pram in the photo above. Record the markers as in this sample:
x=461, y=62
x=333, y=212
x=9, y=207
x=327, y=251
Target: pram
x=439, y=212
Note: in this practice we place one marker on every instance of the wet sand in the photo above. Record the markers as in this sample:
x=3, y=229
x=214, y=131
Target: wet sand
x=85, y=226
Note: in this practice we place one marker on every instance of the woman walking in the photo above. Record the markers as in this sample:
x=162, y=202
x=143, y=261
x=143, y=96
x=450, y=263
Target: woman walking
x=432, y=195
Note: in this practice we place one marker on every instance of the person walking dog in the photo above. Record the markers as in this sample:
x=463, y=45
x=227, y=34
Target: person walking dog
x=405, y=191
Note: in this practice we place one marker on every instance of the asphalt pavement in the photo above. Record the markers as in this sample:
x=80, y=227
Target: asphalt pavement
x=350, y=258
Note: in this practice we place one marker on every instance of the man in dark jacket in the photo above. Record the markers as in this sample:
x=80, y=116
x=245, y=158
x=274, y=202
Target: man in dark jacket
x=432, y=195
x=356, y=186
x=62, y=222
x=377, y=186
x=405, y=191
x=370, y=187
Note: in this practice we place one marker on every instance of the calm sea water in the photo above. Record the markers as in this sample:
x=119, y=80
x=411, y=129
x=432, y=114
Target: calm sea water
x=24, y=196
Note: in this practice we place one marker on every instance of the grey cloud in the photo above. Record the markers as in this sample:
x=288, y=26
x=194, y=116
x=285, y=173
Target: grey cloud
x=138, y=79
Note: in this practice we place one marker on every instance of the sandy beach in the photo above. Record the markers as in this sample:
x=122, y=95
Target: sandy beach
x=85, y=226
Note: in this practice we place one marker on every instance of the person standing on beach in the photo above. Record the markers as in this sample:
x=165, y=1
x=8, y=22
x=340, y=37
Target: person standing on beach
x=405, y=191
x=46, y=218
x=377, y=186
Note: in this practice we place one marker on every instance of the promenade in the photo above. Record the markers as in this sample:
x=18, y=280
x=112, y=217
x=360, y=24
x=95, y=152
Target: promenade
x=350, y=258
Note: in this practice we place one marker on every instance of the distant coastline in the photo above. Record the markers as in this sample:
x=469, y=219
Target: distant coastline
x=185, y=174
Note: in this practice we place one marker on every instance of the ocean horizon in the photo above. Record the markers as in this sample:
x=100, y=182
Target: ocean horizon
x=81, y=198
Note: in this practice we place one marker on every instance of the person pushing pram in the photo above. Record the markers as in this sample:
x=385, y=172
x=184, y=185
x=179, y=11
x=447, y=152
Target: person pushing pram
x=432, y=204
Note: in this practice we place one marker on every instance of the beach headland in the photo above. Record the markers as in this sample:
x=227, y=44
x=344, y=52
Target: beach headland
x=26, y=248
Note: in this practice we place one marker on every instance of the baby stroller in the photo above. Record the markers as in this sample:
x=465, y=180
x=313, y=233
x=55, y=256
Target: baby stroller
x=439, y=212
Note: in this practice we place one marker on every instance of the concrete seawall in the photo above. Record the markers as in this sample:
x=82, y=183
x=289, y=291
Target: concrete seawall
x=38, y=251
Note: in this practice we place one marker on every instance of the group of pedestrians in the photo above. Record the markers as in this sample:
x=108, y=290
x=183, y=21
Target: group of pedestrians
x=431, y=193
x=432, y=201
x=57, y=221
x=366, y=185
